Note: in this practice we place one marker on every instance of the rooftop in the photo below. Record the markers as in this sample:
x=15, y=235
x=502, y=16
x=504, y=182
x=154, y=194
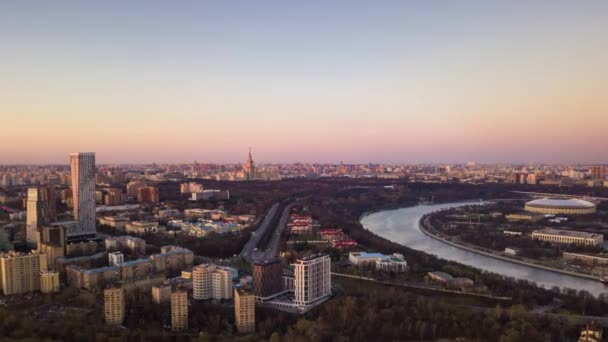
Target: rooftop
x=370, y=255
x=564, y=232
x=312, y=257
x=561, y=203
x=268, y=262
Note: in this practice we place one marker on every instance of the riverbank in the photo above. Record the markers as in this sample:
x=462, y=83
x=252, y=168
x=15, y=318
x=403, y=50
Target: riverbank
x=424, y=226
x=397, y=207
x=427, y=290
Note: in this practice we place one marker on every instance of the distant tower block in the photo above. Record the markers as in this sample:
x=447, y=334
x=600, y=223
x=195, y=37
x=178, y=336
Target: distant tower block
x=83, y=192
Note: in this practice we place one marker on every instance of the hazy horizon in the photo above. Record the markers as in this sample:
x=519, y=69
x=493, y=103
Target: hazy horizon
x=358, y=82
x=104, y=161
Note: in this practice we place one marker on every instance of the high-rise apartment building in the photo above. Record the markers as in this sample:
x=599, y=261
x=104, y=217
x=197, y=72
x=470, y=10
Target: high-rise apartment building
x=41, y=210
x=312, y=279
x=114, y=305
x=114, y=197
x=201, y=281
x=51, y=242
x=5, y=238
x=244, y=310
x=599, y=172
x=179, y=309
x=20, y=273
x=83, y=194
x=211, y=282
x=133, y=186
x=161, y=293
x=53, y=234
x=147, y=194
x=267, y=278
x=49, y=282
x=221, y=284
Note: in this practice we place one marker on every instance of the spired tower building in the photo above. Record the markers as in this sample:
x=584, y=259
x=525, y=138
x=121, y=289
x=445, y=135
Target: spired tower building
x=249, y=168
x=83, y=193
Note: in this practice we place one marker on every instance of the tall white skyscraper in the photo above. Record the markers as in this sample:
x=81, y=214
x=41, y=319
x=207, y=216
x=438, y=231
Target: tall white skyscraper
x=83, y=193
x=312, y=279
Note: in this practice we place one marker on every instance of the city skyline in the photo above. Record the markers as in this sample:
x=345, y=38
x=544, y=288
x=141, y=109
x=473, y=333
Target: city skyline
x=396, y=82
x=243, y=161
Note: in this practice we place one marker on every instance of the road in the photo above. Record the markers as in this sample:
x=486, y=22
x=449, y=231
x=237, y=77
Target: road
x=273, y=247
x=249, y=250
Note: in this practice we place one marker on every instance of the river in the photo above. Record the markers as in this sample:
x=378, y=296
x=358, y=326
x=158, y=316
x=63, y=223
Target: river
x=402, y=226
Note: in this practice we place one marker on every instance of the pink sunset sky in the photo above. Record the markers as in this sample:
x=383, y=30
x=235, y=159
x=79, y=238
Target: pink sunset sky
x=399, y=82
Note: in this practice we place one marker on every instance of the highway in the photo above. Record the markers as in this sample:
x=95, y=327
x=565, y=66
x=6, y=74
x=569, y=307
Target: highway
x=273, y=247
x=249, y=253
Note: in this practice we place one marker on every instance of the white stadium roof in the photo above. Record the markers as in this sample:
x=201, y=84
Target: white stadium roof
x=561, y=203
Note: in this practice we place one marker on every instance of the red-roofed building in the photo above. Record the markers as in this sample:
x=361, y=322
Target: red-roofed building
x=344, y=243
x=330, y=234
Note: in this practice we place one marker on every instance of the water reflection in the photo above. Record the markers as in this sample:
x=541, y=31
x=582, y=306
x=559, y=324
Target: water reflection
x=401, y=226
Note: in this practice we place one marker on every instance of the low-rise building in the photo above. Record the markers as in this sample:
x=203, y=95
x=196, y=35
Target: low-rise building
x=392, y=263
x=205, y=195
x=340, y=244
x=172, y=258
x=116, y=222
x=562, y=236
x=300, y=224
x=460, y=283
x=364, y=258
x=441, y=277
x=133, y=244
x=511, y=251
x=81, y=248
x=202, y=228
x=591, y=333
x=169, y=213
x=331, y=234
x=116, y=258
x=141, y=227
x=86, y=261
x=530, y=217
x=586, y=258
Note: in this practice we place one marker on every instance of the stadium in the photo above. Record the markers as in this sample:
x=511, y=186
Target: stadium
x=558, y=206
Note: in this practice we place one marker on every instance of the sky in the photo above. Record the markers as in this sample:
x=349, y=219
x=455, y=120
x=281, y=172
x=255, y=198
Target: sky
x=304, y=81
